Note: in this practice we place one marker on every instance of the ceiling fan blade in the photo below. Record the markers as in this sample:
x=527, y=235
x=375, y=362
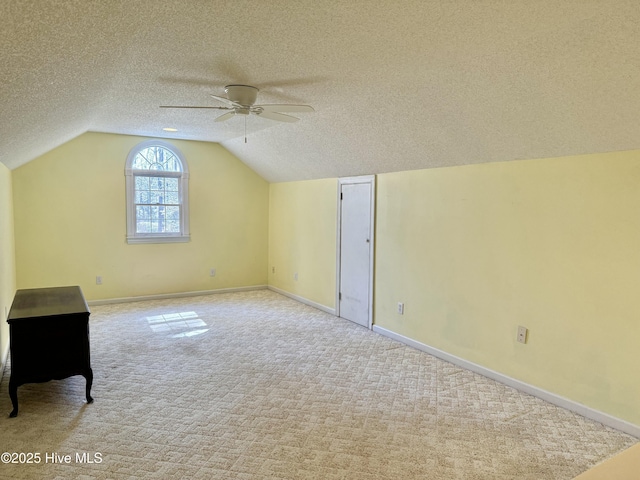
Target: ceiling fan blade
x=278, y=116
x=225, y=116
x=189, y=106
x=224, y=100
x=286, y=108
x=289, y=82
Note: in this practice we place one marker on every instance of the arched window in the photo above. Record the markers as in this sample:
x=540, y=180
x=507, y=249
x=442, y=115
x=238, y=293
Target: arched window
x=157, y=182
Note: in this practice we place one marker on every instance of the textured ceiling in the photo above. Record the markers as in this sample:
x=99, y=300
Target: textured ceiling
x=396, y=85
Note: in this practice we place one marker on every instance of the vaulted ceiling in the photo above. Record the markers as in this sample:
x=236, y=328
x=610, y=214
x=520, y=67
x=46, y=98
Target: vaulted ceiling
x=396, y=84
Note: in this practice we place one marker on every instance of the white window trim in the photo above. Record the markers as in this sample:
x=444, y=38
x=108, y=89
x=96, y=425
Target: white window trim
x=132, y=236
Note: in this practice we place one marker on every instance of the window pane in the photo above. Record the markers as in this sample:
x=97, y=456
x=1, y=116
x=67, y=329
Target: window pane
x=144, y=226
x=142, y=183
x=172, y=219
x=156, y=158
x=156, y=197
x=172, y=198
x=143, y=212
x=157, y=219
x=140, y=161
x=155, y=215
x=156, y=183
x=142, y=197
x=171, y=184
x=143, y=215
x=157, y=190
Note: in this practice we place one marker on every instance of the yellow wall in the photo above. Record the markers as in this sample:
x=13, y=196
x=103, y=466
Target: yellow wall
x=473, y=252
x=552, y=244
x=70, y=223
x=7, y=257
x=302, y=239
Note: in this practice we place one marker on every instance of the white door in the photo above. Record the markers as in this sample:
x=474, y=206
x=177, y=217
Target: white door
x=356, y=250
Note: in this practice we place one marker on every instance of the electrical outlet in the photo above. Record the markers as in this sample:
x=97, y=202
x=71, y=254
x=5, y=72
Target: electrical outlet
x=99, y=280
x=273, y=269
x=522, y=334
x=212, y=272
x=295, y=276
x=400, y=308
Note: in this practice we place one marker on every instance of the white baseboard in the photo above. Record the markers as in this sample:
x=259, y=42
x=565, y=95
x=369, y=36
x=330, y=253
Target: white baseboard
x=576, y=407
x=300, y=299
x=175, y=295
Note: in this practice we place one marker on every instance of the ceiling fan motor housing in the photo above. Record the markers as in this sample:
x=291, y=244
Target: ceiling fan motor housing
x=244, y=95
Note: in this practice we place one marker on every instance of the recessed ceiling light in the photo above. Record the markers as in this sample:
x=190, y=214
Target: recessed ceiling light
x=170, y=129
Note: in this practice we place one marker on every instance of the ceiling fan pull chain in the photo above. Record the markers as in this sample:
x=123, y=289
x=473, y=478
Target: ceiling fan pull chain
x=245, y=129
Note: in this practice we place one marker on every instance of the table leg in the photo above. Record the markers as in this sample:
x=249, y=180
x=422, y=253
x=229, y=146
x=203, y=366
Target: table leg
x=89, y=376
x=13, y=394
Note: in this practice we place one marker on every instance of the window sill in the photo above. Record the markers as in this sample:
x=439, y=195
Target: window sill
x=159, y=239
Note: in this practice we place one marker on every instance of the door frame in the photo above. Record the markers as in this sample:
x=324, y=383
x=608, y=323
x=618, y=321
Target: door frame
x=371, y=180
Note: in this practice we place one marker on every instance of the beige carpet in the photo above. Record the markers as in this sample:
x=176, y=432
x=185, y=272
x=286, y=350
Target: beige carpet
x=256, y=386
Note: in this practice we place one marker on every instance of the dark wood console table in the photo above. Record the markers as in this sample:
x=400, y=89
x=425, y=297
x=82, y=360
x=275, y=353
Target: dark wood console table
x=49, y=336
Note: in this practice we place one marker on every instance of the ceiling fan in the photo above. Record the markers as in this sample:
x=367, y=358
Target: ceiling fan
x=241, y=100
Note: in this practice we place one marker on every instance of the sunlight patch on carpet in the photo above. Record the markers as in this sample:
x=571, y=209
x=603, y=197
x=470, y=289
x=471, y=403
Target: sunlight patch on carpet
x=182, y=324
